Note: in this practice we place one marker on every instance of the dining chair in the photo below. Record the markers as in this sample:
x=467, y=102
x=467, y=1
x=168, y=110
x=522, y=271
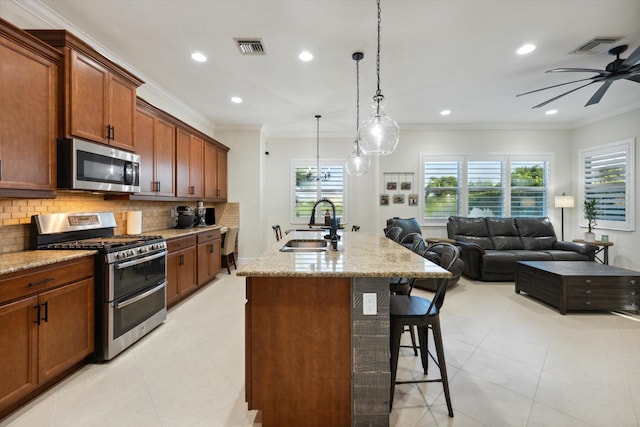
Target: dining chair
x=355, y=228
x=277, y=231
x=229, y=247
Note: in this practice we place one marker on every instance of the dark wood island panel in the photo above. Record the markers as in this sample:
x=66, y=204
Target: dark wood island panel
x=298, y=350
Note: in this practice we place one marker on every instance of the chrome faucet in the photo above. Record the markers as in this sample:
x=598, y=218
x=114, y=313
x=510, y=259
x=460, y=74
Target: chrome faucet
x=333, y=230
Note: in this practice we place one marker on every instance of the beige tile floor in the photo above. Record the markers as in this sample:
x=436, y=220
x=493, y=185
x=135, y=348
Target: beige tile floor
x=512, y=362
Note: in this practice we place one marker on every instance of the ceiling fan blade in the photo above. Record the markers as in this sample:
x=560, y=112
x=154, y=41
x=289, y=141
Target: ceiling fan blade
x=549, y=87
x=561, y=95
x=579, y=70
x=634, y=78
x=632, y=59
x=599, y=93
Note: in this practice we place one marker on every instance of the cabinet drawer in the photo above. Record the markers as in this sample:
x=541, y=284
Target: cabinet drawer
x=181, y=243
x=33, y=281
x=208, y=236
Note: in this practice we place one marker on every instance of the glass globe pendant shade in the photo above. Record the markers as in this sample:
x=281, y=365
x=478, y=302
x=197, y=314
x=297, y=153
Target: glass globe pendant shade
x=357, y=163
x=380, y=133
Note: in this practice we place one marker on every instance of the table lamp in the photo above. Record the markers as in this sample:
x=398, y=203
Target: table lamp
x=562, y=202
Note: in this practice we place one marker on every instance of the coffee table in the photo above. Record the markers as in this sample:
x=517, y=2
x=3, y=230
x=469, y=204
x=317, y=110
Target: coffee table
x=579, y=285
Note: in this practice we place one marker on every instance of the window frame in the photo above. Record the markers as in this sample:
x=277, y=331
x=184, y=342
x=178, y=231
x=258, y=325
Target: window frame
x=463, y=189
x=312, y=163
x=628, y=146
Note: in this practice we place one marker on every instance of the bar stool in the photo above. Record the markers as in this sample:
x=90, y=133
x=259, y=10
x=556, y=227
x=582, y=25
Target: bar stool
x=277, y=231
x=408, y=310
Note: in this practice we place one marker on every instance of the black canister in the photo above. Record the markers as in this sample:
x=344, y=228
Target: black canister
x=210, y=216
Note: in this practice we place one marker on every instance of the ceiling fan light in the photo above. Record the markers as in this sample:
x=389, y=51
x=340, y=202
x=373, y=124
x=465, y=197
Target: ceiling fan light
x=526, y=49
x=551, y=112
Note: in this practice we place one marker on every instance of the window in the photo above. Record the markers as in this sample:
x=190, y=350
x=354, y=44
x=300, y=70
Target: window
x=608, y=176
x=307, y=189
x=489, y=186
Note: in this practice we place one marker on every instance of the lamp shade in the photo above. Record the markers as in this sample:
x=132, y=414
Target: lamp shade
x=564, y=201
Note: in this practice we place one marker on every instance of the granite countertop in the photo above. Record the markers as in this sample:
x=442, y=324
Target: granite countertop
x=24, y=260
x=360, y=254
x=173, y=233
x=18, y=261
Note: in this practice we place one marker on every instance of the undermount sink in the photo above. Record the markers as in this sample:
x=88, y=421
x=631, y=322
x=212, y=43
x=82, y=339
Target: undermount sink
x=305, y=245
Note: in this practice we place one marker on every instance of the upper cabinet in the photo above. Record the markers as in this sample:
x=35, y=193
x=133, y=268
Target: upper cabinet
x=155, y=142
x=215, y=173
x=99, y=99
x=28, y=114
x=189, y=165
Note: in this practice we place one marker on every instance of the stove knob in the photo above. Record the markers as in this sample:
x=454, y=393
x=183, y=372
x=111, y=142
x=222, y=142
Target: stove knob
x=130, y=252
x=143, y=249
x=120, y=255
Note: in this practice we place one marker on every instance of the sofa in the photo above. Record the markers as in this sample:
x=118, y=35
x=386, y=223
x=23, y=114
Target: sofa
x=408, y=237
x=491, y=247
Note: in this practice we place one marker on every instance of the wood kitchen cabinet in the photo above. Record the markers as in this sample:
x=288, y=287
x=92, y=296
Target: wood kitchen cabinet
x=208, y=256
x=99, y=97
x=181, y=268
x=189, y=165
x=46, y=326
x=155, y=143
x=28, y=114
x=215, y=173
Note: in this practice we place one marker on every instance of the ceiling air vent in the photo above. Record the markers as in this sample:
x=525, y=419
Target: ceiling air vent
x=250, y=46
x=597, y=45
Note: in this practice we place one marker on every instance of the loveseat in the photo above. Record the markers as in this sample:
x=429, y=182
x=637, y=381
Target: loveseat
x=410, y=233
x=491, y=247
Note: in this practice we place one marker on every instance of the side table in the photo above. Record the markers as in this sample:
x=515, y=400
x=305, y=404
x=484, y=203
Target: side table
x=602, y=247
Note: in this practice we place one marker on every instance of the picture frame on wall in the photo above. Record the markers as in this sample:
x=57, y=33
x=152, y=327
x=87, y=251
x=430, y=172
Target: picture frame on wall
x=392, y=185
x=398, y=198
x=384, y=200
x=405, y=186
x=413, y=200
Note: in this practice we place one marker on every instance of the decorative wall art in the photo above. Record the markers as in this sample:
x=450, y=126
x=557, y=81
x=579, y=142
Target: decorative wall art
x=390, y=184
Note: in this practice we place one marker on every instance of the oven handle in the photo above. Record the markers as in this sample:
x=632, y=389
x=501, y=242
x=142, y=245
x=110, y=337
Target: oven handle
x=137, y=298
x=140, y=260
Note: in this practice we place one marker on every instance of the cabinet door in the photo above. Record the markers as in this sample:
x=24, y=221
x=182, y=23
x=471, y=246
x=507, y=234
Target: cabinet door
x=196, y=153
x=88, y=93
x=18, y=357
x=122, y=107
x=183, y=147
x=204, y=262
x=188, y=277
x=165, y=156
x=28, y=119
x=216, y=257
x=222, y=175
x=210, y=172
x=66, y=332
x=173, y=277
x=144, y=147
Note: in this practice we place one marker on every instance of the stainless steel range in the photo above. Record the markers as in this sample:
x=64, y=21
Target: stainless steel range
x=131, y=274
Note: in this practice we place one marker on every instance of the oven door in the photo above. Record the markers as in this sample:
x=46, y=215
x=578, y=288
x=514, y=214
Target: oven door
x=132, y=276
x=133, y=317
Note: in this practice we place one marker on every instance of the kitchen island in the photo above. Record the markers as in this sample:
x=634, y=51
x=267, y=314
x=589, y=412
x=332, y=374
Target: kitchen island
x=312, y=357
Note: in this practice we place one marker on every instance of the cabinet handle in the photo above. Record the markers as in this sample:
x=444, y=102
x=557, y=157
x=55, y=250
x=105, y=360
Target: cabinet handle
x=41, y=282
x=211, y=250
x=46, y=311
x=0, y=170
x=633, y=282
x=158, y=183
x=587, y=292
x=37, y=308
x=181, y=260
x=113, y=133
x=588, y=282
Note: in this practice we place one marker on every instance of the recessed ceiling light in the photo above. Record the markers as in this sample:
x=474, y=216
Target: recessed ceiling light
x=236, y=99
x=305, y=56
x=526, y=48
x=550, y=112
x=445, y=112
x=198, y=57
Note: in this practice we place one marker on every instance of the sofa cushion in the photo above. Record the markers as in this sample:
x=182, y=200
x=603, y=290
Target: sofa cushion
x=536, y=233
x=504, y=233
x=499, y=261
x=560, y=255
x=527, y=255
x=472, y=230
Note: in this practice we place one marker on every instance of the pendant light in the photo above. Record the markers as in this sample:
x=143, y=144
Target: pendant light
x=320, y=176
x=380, y=133
x=357, y=163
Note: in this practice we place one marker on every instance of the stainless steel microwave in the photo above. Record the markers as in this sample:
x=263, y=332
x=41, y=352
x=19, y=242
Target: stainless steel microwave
x=84, y=165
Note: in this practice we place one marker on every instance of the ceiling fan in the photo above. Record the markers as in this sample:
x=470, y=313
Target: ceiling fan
x=618, y=69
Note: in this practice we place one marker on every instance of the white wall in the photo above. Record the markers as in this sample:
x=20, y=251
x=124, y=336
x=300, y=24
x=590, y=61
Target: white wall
x=624, y=252
x=364, y=191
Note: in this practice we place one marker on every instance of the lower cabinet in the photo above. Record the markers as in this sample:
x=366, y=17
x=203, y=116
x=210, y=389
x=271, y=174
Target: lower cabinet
x=181, y=268
x=208, y=256
x=46, y=326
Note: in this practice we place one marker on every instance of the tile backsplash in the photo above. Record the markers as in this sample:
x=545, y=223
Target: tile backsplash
x=15, y=214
